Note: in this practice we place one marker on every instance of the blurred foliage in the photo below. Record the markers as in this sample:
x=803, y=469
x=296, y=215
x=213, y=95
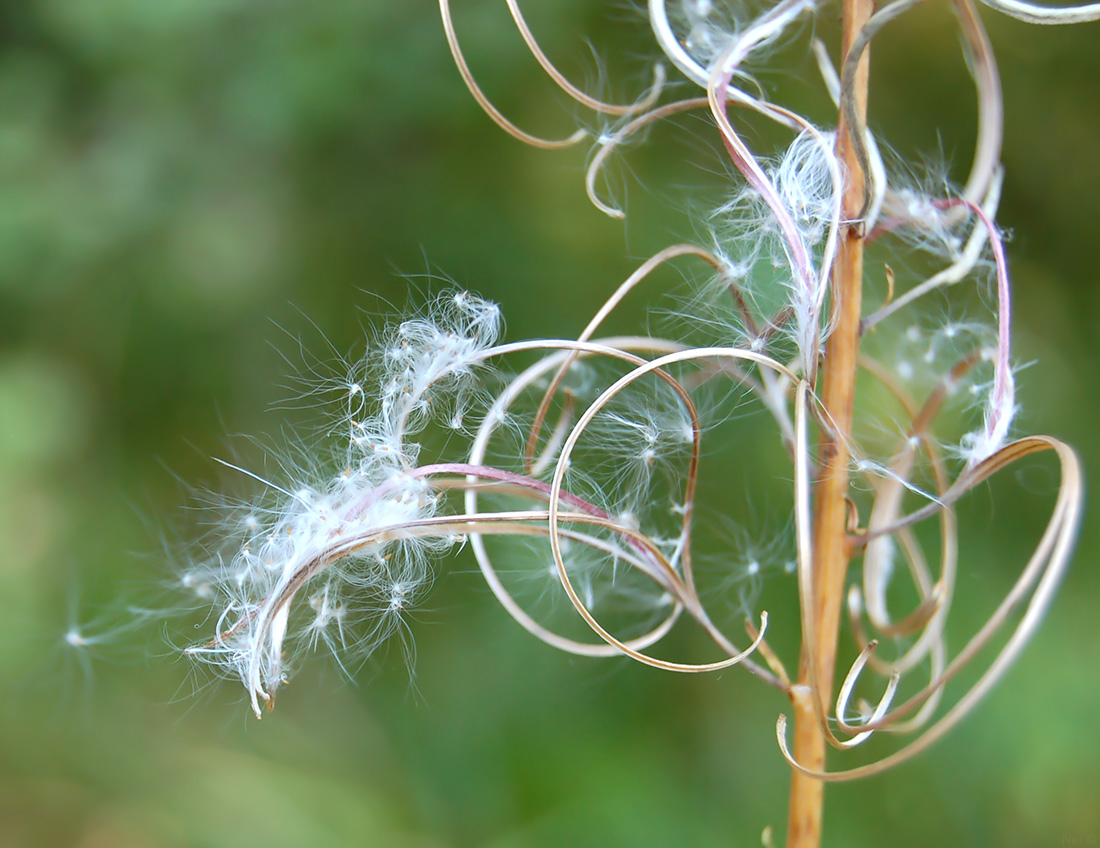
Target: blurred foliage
x=190, y=187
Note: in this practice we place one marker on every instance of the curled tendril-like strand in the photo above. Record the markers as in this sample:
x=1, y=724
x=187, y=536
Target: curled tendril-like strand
x=487, y=106
x=1040, y=577
x=953, y=273
x=577, y=94
x=656, y=367
x=767, y=25
x=684, y=594
x=608, y=144
x=885, y=511
x=811, y=286
x=876, y=179
x=845, y=694
x=983, y=68
x=848, y=76
x=1033, y=13
x=640, y=274
x=616, y=347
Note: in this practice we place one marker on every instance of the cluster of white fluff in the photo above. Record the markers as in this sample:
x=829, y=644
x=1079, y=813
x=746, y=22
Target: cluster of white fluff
x=748, y=231
x=779, y=229
x=705, y=31
x=336, y=561
x=708, y=27
x=804, y=180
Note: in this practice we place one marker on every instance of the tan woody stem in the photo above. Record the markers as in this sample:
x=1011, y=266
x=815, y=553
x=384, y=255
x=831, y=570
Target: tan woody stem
x=830, y=545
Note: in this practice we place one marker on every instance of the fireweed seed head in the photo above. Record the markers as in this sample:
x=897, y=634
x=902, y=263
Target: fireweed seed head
x=578, y=475
x=327, y=556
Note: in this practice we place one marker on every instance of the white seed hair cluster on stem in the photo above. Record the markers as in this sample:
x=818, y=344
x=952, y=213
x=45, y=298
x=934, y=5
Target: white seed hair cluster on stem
x=338, y=543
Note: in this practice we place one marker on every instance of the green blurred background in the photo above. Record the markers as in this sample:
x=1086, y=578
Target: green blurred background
x=188, y=186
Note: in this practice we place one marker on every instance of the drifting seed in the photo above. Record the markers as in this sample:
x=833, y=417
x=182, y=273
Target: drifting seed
x=74, y=638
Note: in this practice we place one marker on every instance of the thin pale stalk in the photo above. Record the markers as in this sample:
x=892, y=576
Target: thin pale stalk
x=830, y=545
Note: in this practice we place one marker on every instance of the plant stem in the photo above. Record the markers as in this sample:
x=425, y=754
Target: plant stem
x=830, y=546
